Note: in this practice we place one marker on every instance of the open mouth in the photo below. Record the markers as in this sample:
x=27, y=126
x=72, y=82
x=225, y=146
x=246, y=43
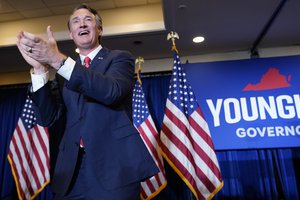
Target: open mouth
x=85, y=32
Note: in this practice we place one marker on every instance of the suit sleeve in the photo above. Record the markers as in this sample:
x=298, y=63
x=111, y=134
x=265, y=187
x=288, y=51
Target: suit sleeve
x=47, y=103
x=109, y=82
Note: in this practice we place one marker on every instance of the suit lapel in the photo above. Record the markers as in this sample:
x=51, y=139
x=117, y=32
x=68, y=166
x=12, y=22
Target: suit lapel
x=99, y=60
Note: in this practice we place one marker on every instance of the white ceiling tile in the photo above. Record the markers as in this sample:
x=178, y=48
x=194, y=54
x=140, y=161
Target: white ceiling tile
x=5, y=7
x=36, y=13
x=63, y=10
x=101, y=5
x=61, y=2
x=26, y=5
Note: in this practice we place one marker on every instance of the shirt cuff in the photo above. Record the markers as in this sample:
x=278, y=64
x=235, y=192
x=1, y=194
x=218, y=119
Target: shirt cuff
x=38, y=80
x=67, y=69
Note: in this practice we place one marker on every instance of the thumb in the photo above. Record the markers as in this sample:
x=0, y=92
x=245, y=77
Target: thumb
x=49, y=33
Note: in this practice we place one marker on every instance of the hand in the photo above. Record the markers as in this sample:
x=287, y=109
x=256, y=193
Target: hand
x=44, y=51
x=38, y=67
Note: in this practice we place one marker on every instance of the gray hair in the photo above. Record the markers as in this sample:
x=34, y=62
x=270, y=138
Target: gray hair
x=93, y=11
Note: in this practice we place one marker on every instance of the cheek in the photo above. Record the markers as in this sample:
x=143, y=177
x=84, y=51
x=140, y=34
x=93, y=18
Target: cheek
x=72, y=33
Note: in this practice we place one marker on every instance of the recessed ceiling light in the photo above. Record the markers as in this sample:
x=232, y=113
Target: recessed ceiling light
x=198, y=39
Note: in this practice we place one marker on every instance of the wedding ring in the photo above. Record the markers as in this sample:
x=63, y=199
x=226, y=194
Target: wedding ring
x=30, y=50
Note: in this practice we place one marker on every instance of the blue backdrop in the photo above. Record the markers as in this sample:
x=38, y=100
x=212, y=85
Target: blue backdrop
x=253, y=103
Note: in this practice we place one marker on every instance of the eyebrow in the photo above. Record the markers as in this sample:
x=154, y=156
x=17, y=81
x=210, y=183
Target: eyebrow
x=77, y=17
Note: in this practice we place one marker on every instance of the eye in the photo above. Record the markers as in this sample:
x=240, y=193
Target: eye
x=74, y=21
x=88, y=19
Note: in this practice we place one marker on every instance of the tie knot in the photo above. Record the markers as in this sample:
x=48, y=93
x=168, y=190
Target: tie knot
x=86, y=62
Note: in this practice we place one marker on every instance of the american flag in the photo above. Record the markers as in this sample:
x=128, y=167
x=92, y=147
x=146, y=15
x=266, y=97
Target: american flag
x=144, y=124
x=29, y=154
x=185, y=138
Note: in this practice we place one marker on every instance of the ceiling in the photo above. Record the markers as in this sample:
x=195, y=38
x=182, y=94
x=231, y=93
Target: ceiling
x=227, y=26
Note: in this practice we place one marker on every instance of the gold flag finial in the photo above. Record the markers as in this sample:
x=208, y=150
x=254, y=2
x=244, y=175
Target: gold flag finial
x=139, y=60
x=173, y=35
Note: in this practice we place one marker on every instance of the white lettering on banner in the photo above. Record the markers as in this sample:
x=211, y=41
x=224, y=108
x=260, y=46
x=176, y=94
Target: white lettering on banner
x=254, y=108
x=269, y=131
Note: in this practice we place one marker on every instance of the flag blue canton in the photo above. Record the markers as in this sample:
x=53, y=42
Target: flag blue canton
x=27, y=115
x=180, y=92
x=140, y=108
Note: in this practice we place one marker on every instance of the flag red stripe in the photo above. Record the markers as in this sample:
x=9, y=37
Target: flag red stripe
x=47, y=147
x=197, y=149
x=150, y=145
x=152, y=129
x=41, y=154
x=177, y=163
x=39, y=131
x=20, y=158
x=38, y=158
x=143, y=193
x=150, y=185
x=29, y=157
x=154, y=152
x=205, y=136
x=182, y=147
x=17, y=178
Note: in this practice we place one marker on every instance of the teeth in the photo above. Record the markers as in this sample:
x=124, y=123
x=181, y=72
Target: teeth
x=83, y=33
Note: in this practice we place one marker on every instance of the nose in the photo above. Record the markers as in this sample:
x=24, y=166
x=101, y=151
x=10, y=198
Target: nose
x=82, y=23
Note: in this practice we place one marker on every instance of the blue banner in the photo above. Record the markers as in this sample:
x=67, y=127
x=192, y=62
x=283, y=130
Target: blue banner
x=253, y=103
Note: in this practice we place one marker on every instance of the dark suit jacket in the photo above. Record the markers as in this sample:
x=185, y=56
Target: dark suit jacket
x=98, y=109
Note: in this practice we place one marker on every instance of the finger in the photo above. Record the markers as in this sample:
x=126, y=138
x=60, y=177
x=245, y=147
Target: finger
x=25, y=50
x=50, y=33
x=31, y=37
x=25, y=42
x=24, y=53
x=20, y=35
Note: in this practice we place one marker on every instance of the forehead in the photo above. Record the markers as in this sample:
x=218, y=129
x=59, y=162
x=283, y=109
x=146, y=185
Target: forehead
x=81, y=13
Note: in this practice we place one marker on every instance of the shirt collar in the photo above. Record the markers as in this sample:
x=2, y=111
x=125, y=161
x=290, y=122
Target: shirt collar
x=92, y=54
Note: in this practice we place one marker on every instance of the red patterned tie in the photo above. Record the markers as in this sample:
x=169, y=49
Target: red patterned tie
x=86, y=62
x=81, y=143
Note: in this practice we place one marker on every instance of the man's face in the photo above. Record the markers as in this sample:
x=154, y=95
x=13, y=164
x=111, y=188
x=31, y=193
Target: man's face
x=84, y=30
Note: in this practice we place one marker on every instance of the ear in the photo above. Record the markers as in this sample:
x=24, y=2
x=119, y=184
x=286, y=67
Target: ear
x=100, y=31
x=70, y=35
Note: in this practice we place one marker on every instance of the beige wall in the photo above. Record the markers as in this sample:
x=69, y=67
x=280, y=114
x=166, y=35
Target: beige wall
x=166, y=64
x=116, y=22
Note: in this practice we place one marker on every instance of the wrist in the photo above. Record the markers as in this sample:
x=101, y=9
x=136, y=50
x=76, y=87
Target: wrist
x=60, y=62
x=39, y=70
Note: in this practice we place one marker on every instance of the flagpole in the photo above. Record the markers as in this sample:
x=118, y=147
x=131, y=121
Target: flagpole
x=139, y=60
x=173, y=35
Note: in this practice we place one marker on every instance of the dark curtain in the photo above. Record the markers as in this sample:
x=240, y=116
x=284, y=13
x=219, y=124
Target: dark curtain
x=247, y=174
x=11, y=102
